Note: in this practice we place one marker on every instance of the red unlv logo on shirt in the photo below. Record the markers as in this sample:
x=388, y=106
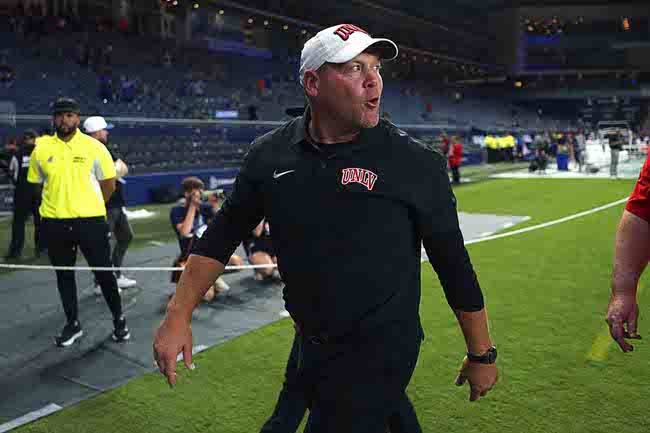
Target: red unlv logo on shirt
x=359, y=175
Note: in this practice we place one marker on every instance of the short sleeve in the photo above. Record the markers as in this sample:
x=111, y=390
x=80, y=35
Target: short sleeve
x=35, y=173
x=639, y=201
x=104, y=167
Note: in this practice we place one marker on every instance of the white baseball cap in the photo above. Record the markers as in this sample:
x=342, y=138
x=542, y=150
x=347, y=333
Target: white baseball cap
x=96, y=123
x=340, y=44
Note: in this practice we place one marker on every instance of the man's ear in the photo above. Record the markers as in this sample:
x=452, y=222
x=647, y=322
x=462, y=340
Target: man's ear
x=311, y=83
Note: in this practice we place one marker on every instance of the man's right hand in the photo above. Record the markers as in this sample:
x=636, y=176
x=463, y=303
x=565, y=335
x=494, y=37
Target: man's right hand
x=196, y=198
x=173, y=337
x=623, y=310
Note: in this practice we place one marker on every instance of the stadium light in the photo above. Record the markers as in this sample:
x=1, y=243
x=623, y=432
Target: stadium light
x=266, y=23
x=196, y=5
x=285, y=27
x=221, y=11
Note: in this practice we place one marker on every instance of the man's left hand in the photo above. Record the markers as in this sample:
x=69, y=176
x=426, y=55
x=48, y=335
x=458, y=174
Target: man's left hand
x=481, y=378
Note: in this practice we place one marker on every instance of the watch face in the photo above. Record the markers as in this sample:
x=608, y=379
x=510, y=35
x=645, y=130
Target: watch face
x=492, y=355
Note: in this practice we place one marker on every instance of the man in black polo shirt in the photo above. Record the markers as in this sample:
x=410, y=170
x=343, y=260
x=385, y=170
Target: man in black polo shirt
x=341, y=187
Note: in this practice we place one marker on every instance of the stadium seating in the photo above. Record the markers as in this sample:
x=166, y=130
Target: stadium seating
x=54, y=66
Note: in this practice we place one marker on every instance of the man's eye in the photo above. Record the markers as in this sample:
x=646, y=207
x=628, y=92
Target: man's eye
x=356, y=68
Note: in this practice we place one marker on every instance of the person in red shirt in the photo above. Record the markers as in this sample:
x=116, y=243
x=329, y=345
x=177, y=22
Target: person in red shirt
x=630, y=260
x=455, y=158
x=444, y=144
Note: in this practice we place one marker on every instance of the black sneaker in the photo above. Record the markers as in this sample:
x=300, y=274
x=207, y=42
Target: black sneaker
x=70, y=333
x=121, y=332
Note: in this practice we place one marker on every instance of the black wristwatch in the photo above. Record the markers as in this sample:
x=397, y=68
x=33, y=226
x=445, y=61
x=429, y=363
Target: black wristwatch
x=489, y=357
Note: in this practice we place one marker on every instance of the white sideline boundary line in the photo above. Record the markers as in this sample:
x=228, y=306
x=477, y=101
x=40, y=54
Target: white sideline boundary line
x=470, y=242
x=29, y=417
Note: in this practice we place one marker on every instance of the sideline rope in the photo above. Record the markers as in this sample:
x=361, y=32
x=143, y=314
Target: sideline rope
x=99, y=268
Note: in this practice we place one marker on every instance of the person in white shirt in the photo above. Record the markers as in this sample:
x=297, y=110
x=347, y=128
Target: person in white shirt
x=116, y=217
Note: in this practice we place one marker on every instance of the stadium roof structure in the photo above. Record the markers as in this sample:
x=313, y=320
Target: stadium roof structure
x=427, y=30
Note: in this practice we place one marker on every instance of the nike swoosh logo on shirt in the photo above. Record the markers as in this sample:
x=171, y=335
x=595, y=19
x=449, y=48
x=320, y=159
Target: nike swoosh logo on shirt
x=277, y=175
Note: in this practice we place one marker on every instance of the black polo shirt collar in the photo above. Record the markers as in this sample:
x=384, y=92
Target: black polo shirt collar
x=300, y=139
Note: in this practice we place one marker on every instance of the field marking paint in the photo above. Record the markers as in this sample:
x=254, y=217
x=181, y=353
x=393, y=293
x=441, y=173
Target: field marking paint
x=29, y=417
x=600, y=347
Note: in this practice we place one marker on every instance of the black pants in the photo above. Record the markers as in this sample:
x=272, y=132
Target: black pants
x=493, y=155
x=455, y=174
x=24, y=206
x=357, y=384
x=121, y=232
x=292, y=404
x=63, y=237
